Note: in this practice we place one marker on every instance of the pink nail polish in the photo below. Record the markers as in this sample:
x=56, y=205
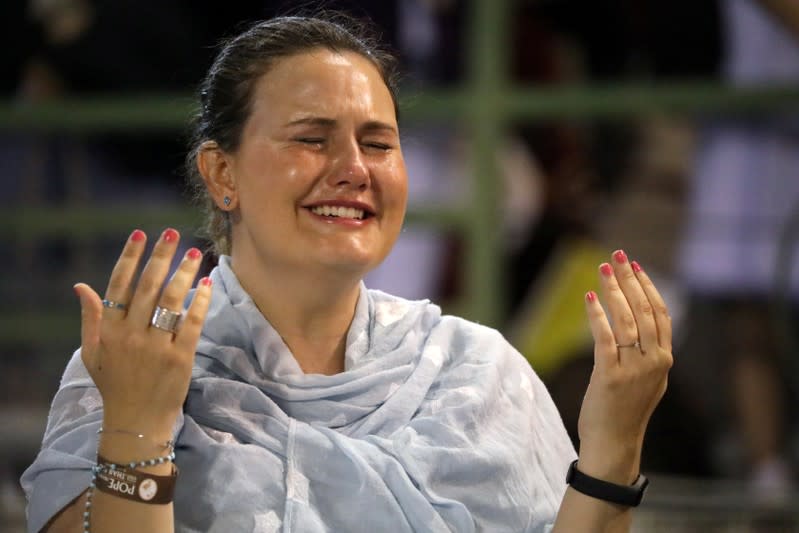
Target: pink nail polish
x=606, y=269
x=206, y=282
x=620, y=257
x=137, y=235
x=590, y=296
x=194, y=254
x=170, y=235
x=636, y=267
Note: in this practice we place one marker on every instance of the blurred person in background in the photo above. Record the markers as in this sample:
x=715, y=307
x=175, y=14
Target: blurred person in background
x=125, y=48
x=600, y=182
x=744, y=189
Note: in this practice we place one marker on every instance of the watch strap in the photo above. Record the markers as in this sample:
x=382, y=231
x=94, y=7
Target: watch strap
x=627, y=495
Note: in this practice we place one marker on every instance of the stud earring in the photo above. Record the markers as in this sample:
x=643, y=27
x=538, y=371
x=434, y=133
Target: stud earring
x=226, y=201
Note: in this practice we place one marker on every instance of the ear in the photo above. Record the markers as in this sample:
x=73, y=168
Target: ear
x=215, y=168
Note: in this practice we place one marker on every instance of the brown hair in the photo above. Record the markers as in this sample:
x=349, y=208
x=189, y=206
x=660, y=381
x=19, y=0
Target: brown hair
x=226, y=91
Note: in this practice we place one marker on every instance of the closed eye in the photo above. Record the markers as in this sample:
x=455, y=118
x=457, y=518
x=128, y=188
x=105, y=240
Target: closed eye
x=378, y=146
x=310, y=140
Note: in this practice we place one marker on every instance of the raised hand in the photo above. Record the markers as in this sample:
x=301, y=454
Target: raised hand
x=142, y=371
x=632, y=357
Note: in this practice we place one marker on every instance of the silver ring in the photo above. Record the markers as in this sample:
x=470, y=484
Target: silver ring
x=636, y=344
x=165, y=319
x=110, y=304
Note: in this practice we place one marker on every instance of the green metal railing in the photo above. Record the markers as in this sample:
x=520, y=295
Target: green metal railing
x=154, y=112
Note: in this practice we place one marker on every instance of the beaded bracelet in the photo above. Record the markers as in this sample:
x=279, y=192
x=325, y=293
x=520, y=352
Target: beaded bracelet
x=148, y=481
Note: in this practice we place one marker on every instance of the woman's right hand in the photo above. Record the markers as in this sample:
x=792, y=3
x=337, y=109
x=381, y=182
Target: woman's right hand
x=143, y=372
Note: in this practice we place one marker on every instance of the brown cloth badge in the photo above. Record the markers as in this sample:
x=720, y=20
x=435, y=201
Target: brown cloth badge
x=134, y=485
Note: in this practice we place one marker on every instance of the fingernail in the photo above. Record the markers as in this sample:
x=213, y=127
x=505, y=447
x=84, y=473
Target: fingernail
x=206, y=282
x=590, y=296
x=620, y=257
x=137, y=235
x=170, y=235
x=606, y=269
x=194, y=253
x=75, y=288
x=636, y=267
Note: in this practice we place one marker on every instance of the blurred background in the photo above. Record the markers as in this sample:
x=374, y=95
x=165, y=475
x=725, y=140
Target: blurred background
x=540, y=136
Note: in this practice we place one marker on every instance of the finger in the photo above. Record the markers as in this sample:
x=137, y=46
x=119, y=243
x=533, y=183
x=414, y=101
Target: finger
x=152, y=277
x=189, y=332
x=639, y=303
x=605, y=353
x=622, y=321
x=661, y=311
x=175, y=292
x=120, y=286
x=91, y=316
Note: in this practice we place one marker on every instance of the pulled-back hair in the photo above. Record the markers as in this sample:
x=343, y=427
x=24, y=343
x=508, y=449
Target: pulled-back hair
x=226, y=92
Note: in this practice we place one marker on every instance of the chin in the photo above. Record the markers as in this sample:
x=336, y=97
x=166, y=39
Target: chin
x=351, y=264
x=345, y=256
x=354, y=267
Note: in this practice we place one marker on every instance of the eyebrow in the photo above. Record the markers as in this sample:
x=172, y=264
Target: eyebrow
x=372, y=125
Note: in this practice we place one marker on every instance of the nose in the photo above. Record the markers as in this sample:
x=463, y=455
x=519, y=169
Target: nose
x=349, y=168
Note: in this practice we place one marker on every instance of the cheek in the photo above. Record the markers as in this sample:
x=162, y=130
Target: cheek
x=397, y=185
x=295, y=174
x=274, y=176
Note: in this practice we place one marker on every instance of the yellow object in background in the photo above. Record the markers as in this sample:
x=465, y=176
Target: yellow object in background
x=552, y=326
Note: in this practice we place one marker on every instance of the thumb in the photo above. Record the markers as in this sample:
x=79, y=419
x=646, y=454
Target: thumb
x=91, y=315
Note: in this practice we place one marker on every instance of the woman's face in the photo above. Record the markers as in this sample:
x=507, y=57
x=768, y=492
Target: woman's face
x=320, y=178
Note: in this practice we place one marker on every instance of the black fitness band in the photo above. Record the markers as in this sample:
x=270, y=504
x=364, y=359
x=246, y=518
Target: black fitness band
x=627, y=495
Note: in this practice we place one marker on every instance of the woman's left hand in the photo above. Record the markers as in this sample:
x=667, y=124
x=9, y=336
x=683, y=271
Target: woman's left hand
x=632, y=358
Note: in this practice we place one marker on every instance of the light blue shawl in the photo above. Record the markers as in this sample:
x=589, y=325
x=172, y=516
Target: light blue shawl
x=437, y=424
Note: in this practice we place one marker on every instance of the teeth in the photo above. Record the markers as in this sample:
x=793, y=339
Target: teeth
x=338, y=211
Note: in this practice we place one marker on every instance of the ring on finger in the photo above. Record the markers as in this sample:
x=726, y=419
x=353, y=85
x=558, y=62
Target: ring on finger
x=111, y=304
x=165, y=319
x=636, y=344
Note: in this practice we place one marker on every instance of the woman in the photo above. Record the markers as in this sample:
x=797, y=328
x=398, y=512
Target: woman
x=297, y=398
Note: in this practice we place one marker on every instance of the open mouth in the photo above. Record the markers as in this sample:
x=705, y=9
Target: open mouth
x=340, y=212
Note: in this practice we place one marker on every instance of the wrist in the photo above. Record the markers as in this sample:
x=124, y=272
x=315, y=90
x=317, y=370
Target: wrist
x=616, y=463
x=618, y=494
x=123, y=446
x=158, y=429
x=118, y=450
